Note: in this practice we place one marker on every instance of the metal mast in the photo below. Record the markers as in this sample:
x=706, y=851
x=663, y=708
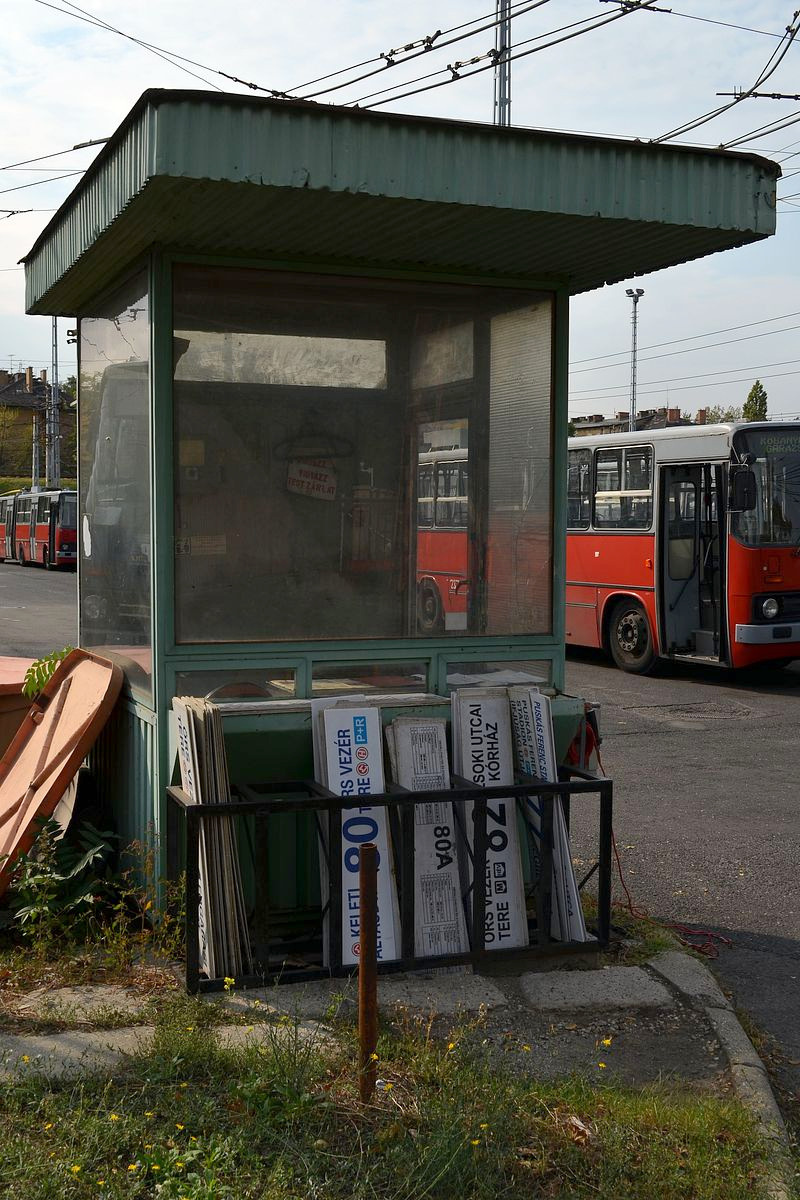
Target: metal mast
x=53, y=420
x=502, y=66
x=635, y=295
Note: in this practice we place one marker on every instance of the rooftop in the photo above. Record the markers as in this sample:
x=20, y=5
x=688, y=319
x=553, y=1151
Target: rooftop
x=289, y=181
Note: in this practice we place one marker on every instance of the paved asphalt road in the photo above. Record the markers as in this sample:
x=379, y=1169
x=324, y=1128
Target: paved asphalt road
x=707, y=792
x=38, y=610
x=706, y=800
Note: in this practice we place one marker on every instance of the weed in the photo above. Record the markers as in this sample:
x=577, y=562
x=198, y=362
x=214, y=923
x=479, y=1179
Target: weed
x=41, y=670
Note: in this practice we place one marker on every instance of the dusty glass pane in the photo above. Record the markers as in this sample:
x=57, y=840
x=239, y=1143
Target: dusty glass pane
x=331, y=679
x=327, y=481
x=114, y=470
x=237, y=685
x=537, y=673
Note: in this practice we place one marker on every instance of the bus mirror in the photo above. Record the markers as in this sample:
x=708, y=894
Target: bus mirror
x=743, y=490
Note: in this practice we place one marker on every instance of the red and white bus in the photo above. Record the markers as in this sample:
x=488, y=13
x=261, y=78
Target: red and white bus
x=684, y=543
x=442, y=515
x=40, y=527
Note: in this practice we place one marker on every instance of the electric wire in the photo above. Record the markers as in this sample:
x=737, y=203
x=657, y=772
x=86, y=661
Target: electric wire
x=167, y=55
x=694, y=337
x=400, y=49
x=384, y=91
x=38, y=182
x=786, y=362
x=687, y=387
x=764, y=131
x=769, y=69
x=456, y=77
x=425, y=49
x=691, y=349
x=56, y=154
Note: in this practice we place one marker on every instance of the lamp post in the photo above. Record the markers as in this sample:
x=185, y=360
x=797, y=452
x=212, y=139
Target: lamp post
x=635, y=295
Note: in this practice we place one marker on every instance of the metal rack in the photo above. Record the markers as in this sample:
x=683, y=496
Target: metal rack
x=262, y=801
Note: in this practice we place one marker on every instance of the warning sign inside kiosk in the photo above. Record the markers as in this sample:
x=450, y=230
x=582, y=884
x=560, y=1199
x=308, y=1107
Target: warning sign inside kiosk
x=314, y=477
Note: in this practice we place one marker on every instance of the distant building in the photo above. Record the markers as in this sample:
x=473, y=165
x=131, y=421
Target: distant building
x=647, y=418
x=23, y=396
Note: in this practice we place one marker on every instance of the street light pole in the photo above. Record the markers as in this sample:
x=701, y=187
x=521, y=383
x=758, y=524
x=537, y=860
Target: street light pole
x=635, y=295
x=502, y=66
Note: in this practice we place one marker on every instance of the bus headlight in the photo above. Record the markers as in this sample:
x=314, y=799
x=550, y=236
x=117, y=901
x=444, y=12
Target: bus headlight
x=770, y=608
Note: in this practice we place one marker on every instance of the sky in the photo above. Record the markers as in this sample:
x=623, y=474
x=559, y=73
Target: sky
x=728, y=319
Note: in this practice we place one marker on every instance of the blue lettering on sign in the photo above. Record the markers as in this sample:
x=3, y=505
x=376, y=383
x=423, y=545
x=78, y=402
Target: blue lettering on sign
x=360, y=731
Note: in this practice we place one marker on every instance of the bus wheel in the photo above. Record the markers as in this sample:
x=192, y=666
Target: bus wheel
x=629, y=638
x=430, y=618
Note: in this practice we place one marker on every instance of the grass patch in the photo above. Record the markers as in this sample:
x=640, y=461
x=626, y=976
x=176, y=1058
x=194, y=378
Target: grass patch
x=282, y=1121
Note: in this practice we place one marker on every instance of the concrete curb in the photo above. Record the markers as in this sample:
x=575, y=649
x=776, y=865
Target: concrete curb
x=749, y=1076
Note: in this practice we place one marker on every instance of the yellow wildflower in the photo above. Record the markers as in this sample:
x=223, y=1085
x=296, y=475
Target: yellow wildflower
x=475, y=1142
x=484, y=1125
x=606, y=1041
x=75, y=1169
x=373, y=1057
x=179, y=1126
x=451, y=1045
x=26, y=1058
x=602, y=1066
x=133, y=1166
x=49, y=1125
x=179, y=1165
x=113, y=1116
x=527, y=1049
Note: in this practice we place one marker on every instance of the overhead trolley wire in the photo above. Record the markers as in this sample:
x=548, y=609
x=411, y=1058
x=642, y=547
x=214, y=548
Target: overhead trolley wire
x=38, y=182
x=693, y=338
x=455, y=70
x=690, y=349
x=425, y=44
x=770, y=67
x=786, y=362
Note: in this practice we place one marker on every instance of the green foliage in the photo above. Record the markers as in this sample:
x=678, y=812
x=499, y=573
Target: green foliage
x=755, y=406
x=59, y=883
x=40, y=671
x=718, y=415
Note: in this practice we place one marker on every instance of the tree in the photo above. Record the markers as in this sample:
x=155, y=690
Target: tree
x=717, y=414
x=755, y=406
x=69, y=387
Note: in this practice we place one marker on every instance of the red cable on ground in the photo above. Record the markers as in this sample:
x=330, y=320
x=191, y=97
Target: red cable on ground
x=707, y=944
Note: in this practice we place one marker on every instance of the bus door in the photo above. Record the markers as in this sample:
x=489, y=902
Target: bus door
x=692, y=566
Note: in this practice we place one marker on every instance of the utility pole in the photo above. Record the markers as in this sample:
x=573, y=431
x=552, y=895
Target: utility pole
x=502, y=66
x=53, y=420
x=635, y=295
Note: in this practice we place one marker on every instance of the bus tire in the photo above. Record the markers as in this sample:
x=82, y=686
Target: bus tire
x=430, y=617
x=630, y=639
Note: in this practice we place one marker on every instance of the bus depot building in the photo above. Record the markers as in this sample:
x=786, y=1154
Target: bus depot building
x=323, y=407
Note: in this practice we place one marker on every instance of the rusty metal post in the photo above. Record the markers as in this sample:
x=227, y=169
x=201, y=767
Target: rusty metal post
x=367, y=969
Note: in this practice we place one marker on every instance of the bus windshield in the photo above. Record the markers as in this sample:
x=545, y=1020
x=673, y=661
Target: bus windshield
x=775, y=521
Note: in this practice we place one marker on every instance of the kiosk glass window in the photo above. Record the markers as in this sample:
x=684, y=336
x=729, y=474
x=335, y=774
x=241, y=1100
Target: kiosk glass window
x=114, y=472
x=359, y=458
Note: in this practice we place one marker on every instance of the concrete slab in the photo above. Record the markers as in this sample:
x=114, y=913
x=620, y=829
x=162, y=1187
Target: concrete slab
x=691, y=977
x=68, y=1054
x=444, y=994
x=79, y=1004
x=609, y=988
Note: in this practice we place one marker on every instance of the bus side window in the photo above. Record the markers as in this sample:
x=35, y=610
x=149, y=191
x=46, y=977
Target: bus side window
x=425, y=497
x=578, y=499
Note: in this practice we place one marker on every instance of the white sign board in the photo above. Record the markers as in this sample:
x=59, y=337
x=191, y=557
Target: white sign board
x=354, y=761
x=482, y=753
x=419, y=755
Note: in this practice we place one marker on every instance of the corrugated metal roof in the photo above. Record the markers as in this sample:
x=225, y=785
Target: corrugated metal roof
x=288, y=180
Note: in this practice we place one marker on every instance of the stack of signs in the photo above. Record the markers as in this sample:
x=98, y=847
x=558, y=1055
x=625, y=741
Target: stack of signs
x=418, y=753
x=535, y=749
x=224, y=936
x=352, y=753
x=482, y=753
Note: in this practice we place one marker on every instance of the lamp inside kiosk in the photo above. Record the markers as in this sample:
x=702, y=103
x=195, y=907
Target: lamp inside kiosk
x=357, y=459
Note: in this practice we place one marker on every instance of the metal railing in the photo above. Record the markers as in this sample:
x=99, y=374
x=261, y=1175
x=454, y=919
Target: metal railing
x=262, y=801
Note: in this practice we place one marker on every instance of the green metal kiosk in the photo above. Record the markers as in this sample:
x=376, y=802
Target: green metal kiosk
x=323, y=406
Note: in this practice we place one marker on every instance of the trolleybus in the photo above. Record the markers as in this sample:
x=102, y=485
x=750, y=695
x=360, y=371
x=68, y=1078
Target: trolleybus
x=684, y=543
x=39, y=527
